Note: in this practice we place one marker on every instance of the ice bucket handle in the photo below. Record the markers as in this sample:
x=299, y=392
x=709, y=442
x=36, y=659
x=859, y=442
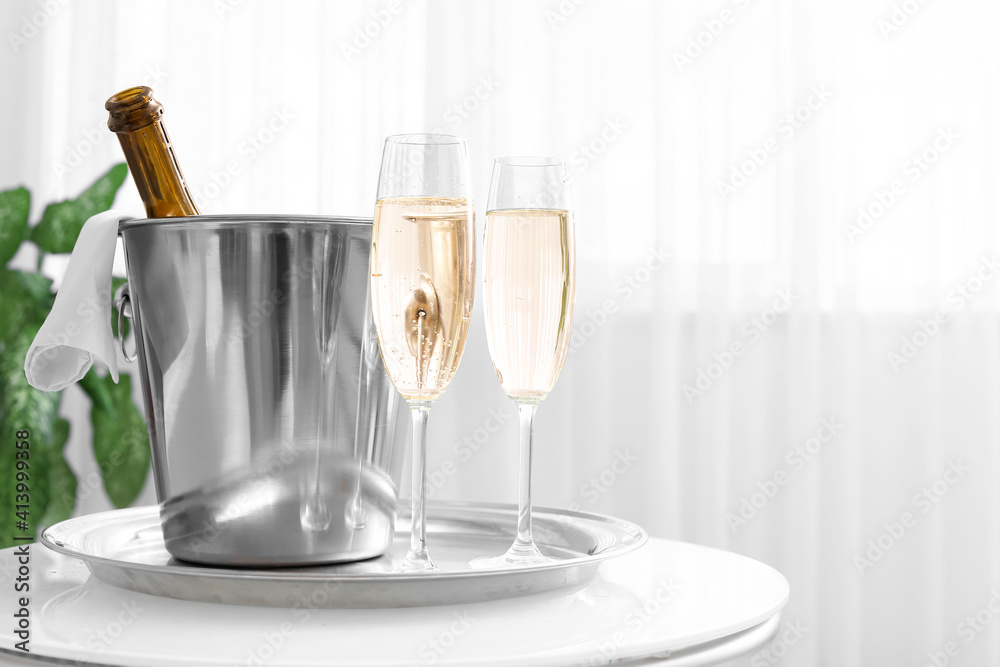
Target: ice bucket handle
x=123, y=300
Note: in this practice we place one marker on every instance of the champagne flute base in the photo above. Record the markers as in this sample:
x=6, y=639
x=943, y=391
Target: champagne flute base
x=519, y=555
x=417, y=561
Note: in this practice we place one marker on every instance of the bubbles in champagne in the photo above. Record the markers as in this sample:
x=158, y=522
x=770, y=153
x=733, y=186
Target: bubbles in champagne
x=422, y=285
x=530, y=288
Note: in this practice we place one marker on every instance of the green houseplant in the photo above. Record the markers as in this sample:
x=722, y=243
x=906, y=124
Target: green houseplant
x=120, y=442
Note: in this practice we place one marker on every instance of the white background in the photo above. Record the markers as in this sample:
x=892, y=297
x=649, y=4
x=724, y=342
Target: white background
x=656, y=106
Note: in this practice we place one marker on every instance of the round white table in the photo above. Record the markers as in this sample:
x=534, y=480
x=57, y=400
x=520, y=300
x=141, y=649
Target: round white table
x=669, y=603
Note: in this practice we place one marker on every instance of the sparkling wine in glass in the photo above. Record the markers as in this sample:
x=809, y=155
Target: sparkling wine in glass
x=529, y=291
x=422, y=282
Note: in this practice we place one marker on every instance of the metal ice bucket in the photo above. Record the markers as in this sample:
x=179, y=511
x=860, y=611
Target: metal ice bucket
x=275, y=433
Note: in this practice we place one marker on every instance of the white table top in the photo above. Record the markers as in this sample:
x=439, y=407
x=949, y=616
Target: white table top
x=700, y=604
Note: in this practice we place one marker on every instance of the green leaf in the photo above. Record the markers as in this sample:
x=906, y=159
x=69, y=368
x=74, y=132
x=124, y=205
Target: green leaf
x=61, y=222
x=22, y=407
x=14, y=208
x=25, y=299
x=121, y=444
x=38, y=287
x=61, y=482
x=21, y=404
x=94, y=386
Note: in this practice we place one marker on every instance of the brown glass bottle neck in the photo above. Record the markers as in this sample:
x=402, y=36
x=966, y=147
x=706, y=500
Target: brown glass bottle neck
x=137, y=120
x=154, y=169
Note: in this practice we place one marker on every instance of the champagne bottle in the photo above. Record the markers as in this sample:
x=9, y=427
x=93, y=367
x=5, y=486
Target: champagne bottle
x=137, y=118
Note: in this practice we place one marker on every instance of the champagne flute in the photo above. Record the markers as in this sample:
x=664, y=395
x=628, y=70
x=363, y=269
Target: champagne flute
x=422, y=282
x=530, y=288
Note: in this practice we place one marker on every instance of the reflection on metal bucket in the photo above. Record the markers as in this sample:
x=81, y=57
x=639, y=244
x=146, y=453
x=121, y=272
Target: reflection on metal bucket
x=274, y=428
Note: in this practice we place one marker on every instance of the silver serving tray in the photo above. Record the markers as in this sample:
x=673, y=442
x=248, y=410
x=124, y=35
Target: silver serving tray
x=125, y=548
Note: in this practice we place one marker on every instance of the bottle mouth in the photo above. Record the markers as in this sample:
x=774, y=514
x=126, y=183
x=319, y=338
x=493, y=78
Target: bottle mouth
x=132, y=108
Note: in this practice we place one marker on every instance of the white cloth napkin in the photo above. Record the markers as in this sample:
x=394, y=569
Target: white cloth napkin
x=78, y=328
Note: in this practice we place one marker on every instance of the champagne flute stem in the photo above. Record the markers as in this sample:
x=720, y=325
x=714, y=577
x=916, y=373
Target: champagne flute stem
x=417, y=558
x=524, y=543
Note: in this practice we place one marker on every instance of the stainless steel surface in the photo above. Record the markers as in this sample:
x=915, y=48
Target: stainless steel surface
x=123, y=302
x=125, y=548
x=273, y=426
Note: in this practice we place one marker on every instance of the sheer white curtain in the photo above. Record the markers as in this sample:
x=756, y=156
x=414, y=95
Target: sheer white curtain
x=787, y=326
